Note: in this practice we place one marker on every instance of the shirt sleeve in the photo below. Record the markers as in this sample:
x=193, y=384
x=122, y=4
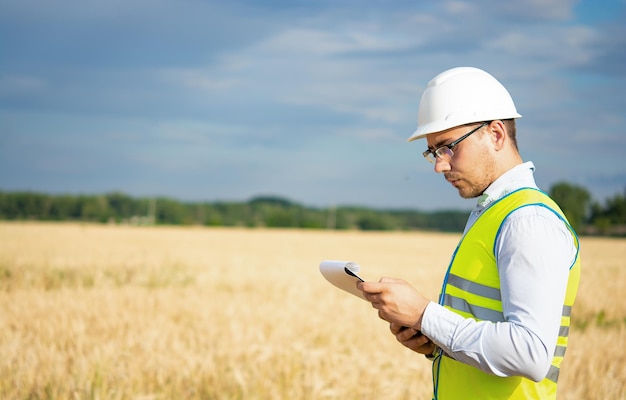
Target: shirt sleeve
x=534, y=252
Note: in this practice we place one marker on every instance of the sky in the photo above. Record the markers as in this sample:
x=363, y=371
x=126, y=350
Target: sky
x=312, y=101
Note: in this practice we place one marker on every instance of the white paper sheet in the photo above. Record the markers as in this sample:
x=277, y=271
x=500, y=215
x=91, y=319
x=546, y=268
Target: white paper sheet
x=336, y=273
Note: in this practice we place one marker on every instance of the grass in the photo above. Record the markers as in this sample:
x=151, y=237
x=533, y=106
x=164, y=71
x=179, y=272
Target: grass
x=118, y=312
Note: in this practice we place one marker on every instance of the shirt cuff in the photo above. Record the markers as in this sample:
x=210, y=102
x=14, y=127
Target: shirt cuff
x=439, y=325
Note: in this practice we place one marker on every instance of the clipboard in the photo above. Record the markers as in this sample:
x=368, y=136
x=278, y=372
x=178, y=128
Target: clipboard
x=342, y=274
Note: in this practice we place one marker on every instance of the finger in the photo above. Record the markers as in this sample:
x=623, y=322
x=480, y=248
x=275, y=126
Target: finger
x=426, y=348
x=406, y=334
x=370, y=287
x=371, y=297
x=395, y=328
x=416, y=342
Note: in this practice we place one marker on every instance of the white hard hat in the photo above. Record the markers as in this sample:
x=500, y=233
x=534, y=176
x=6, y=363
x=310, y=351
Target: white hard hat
x=461, y=96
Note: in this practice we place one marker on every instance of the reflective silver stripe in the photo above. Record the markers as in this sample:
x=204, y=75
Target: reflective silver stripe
x=567, y=311
x=564, y=331
x=482, y=313
x=474, y=288
x=559, y=351
x=553, y=374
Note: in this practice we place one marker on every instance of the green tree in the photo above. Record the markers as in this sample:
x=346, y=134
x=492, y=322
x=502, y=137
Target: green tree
x=121, y=205
x=610, y=218
x=616, y=209
x=172, y=212
x=574, y=201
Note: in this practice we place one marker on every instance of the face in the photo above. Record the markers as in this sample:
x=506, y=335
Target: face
x=472, y=167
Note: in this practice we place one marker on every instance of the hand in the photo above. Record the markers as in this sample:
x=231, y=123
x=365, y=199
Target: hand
x=412, y=338
x=396, y=301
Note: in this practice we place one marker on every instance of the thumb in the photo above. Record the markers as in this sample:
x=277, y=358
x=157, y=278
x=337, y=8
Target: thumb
x=386, y=279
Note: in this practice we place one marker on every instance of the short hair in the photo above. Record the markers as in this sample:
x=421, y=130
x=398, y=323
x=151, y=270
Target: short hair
x=509, y=124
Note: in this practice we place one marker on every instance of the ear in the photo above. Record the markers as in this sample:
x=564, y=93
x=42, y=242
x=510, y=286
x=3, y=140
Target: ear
x=497, y=133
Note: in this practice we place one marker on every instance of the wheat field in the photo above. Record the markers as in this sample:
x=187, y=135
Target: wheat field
x=121, y=312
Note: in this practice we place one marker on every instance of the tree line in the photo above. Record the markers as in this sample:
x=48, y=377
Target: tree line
x=586, y=216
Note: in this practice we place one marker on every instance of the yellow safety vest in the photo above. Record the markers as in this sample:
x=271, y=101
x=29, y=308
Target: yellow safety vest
x=472, y=289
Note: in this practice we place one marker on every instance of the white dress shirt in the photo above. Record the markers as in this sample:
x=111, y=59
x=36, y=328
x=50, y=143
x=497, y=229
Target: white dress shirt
x=534, y=253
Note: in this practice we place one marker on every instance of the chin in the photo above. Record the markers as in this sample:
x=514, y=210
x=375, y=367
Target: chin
x=462, y=192
x=466, y=194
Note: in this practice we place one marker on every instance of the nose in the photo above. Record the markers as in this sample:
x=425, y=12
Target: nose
x=441, y=165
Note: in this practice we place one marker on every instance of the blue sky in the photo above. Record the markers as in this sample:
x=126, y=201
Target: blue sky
x=309, y=100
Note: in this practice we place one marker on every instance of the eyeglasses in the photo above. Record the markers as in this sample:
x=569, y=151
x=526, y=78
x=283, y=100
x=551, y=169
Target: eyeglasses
x=445, y=151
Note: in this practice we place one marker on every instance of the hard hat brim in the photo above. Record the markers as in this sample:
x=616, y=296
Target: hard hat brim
x=440, y=126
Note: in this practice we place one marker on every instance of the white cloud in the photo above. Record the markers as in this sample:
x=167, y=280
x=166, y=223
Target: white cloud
x=567, y=47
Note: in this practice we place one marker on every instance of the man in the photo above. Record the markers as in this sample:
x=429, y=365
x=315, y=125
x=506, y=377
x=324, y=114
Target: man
x=499, y=329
